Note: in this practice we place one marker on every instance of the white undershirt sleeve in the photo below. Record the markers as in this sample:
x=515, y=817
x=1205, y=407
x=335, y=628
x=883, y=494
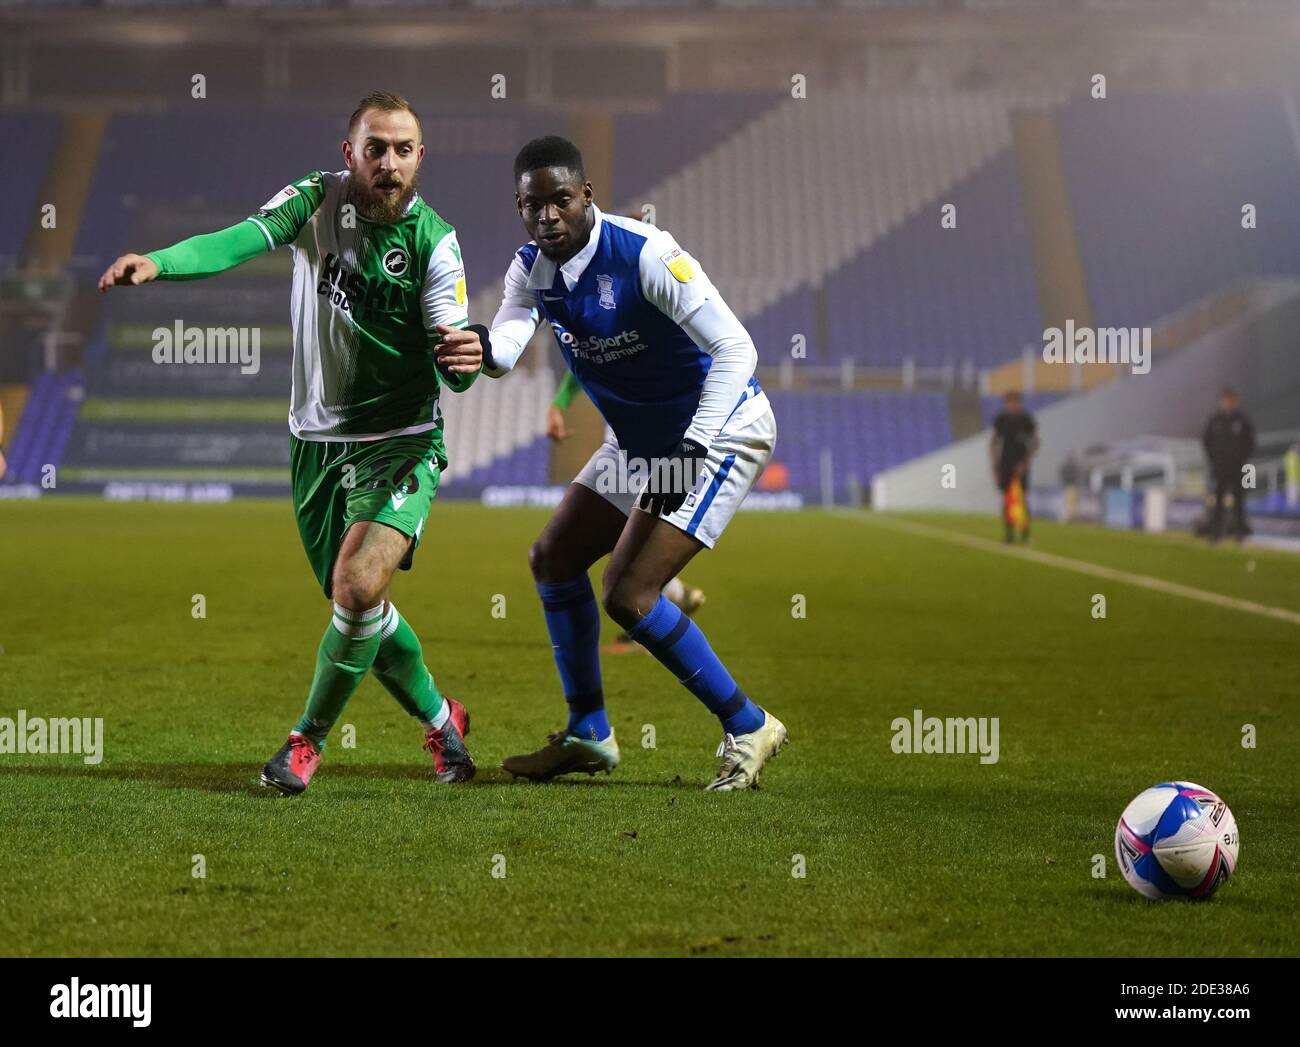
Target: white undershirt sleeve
x=443, y=299
x=514, y=323
x=715, y=329
x=673, y=282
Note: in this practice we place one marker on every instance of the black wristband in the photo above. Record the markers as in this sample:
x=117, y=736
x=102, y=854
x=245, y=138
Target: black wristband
x=486, y=341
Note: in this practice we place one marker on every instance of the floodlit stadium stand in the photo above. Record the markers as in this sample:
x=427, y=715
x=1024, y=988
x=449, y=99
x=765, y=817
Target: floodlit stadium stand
x=819, y=220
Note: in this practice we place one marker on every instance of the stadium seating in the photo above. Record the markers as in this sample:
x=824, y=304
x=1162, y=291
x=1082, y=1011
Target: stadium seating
x=650, y=147
x=1157, y=184
x=942, y=296
x=793, y=194
x=44, y=429
x=155, y=159
x=495, y=431
x=26, y=145
x=817, y=217
x=864, y=433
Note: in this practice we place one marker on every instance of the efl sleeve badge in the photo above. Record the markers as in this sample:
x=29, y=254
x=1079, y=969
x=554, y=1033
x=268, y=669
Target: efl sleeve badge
x=679, y=265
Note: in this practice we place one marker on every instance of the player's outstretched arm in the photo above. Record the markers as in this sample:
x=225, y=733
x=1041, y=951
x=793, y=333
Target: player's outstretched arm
x=129, y=270
x=275, y=224
x=200, y=256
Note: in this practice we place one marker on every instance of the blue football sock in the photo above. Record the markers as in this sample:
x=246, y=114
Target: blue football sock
x=676, y=641
x=573, y=620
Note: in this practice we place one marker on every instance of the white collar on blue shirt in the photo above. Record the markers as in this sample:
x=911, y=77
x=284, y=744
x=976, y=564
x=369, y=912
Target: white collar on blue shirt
x=542, y=275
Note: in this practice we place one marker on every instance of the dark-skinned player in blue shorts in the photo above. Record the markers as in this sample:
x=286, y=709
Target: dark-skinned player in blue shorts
x=671, y=369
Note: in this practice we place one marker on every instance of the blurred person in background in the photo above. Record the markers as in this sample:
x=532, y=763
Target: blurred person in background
x=1291, y=471
x=1229, y=441
x=1014, y=444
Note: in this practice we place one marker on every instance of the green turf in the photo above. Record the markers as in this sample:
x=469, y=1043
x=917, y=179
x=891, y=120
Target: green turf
x=1260, y=574
x=905, y=854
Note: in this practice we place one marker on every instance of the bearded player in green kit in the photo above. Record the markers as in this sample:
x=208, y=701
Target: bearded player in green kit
x=379, y=323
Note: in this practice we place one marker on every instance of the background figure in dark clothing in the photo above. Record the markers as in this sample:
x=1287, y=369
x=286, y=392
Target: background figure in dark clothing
x=1229, y=441
x=1014, y=444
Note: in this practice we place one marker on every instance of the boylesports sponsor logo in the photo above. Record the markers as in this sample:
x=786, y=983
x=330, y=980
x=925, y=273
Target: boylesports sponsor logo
x=598, y=349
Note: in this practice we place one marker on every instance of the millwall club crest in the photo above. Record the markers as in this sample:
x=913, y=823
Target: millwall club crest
x=606, y=286
x=395, y=262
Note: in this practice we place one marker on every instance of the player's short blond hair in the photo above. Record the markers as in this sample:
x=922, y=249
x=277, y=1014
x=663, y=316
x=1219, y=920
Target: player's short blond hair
x=385, y=101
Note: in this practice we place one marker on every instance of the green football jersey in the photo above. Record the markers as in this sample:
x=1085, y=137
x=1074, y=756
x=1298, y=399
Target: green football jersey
x=366, y=296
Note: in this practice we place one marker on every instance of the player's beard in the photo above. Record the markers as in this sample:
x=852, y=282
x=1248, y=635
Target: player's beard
x=374, y=206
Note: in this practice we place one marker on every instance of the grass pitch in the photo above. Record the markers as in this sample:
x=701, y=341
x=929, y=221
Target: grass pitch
x=903, y=854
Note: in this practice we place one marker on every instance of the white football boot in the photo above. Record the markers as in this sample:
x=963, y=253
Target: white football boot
x=743, y=757
x=565, y=753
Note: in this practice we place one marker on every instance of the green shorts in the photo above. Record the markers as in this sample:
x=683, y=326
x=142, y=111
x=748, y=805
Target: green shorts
x=337, y=484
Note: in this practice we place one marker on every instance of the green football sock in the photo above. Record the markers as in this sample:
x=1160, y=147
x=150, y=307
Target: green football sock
x=399, y=666
x=347, y=650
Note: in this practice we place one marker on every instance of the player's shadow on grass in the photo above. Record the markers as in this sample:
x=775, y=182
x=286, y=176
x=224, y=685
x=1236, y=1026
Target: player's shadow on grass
x=243, y=777
x=219, y=777
x=1128, y=900
x=597, y=781
x=204, y=777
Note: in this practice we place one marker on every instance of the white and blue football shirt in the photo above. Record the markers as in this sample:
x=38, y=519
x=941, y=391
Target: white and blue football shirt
x=618, y=309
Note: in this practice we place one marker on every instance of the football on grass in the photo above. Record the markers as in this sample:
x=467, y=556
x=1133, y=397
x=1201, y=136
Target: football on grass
x=1177, y=840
